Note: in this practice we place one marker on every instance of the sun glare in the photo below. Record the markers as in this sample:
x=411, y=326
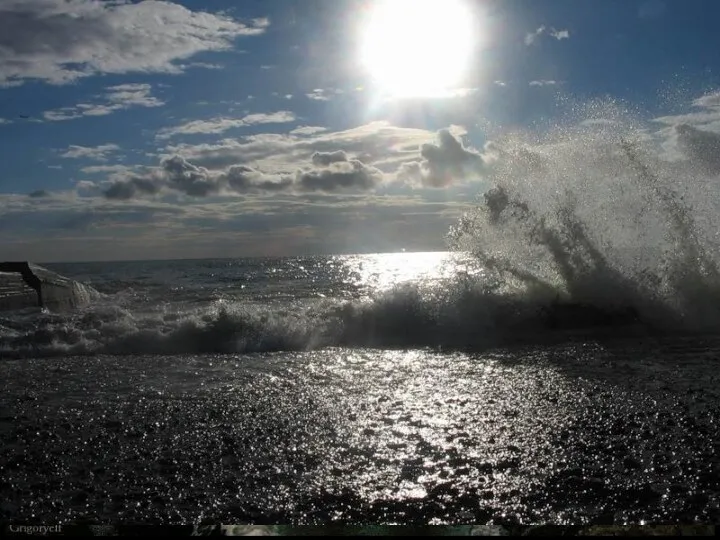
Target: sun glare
x=417, y=48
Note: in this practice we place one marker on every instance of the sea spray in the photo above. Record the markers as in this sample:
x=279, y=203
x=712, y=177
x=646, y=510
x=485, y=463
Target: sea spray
x=592, y=217
x=600, y=227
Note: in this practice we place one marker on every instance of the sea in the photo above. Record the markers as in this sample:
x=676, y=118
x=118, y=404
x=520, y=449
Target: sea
x=557, y=364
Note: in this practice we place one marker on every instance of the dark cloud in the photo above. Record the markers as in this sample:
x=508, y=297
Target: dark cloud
x=175, y=174
x=349, y=175
x=38, y=194
x=179, y=175
x=132, y=188
x=183, y=176
x=443, y=163
x=410, y=172
x=323, y=159
x=701, y=146
x=244, y=179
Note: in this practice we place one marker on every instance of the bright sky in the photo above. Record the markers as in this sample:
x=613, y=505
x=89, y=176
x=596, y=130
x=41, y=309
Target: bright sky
x=146, y=130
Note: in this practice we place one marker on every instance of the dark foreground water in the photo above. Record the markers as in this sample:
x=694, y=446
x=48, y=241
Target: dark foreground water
x=613, y=432
x=350, y=389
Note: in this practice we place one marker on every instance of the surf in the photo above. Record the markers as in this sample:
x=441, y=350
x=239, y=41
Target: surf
x=592, y=219
x=586, y=231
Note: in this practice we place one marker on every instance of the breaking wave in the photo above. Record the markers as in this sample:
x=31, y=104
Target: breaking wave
x=597, y=217
x=591, y=228
x=460, y=315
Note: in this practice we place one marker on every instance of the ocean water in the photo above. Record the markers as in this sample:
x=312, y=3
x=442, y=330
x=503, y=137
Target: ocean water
x=557, y=365
x=237, y=306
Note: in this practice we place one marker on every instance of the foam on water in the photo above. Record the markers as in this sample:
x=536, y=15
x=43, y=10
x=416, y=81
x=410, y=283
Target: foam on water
x=589, y=226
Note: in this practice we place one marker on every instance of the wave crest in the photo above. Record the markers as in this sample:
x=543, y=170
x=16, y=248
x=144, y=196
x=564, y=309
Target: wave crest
x=599, y=220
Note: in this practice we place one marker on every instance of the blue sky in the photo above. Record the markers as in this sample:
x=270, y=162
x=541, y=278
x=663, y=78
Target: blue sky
x=136, y=130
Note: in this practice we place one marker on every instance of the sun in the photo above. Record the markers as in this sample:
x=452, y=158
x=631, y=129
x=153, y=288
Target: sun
x=417, y=48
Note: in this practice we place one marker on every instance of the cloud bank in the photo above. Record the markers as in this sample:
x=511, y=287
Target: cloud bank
x=59, y=41
x=177, y=175
x=373, y=156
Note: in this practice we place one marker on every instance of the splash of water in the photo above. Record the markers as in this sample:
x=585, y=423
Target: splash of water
x=594, y=216
x=586, y=227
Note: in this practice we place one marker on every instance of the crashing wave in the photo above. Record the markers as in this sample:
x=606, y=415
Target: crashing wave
x=592, y=222
x=589, y=230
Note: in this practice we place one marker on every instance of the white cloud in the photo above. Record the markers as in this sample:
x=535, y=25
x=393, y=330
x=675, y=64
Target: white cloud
x=710, y=101
x=500, y=83
x=457, y=93
x=5, y=121
x=377, y=143
x=106, y=169
x=200, y=65
x=97, y=153
x=115, y=98
x=694, y=135
x=279, y=117
x=220, y=125
x=132, y=95
x=532, y=37
x=307, y=130
x=59, y=41
x=85, y=185
x=318, y=95
x=560, y=34
x=543, y=83
x=204, y=127
x=65, y=113
x=707, y=117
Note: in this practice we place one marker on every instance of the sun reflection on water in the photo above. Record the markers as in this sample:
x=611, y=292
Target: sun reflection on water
x=382, y=271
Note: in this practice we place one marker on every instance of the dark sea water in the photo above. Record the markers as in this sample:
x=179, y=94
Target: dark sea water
x=559, y=365
x=238, y=391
